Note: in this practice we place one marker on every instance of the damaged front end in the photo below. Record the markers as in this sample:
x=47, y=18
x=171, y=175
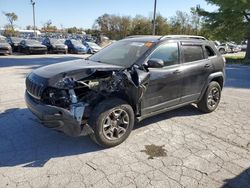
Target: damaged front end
x=67, y=104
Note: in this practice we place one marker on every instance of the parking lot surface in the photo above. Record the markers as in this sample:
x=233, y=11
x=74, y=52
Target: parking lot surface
x=181, y=148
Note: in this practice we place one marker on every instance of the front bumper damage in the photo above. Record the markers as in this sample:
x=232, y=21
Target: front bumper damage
x=60, y=119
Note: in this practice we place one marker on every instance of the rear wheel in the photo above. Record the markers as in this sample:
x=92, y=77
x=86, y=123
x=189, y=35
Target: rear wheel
x=112, y=122
x=222, y=51
x=211, y=98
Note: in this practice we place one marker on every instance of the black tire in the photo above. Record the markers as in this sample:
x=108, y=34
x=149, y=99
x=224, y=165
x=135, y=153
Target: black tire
x=211, y=98
x=222, y=51
x=102, y=112
x=89, y=51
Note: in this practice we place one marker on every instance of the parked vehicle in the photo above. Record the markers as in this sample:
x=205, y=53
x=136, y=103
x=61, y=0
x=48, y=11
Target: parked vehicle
x=55, y=45
x=75, y=46
x=92, y=47
x=14, y=42
x=243, y=45
x=5, y=47
x=128, y=81
x=233, y=47
x=30, y=46
x=222, y=47
x=228, y=47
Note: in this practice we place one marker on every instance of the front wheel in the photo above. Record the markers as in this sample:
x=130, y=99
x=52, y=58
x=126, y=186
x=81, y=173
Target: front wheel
x=211, y=98
x=112, y=122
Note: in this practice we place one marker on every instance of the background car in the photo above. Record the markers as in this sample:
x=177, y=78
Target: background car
x=243, y=45
x=30, y=46
x=92, y=47
x=75, y=46
x=5, y=47
x=14, y=42
x=55, y=45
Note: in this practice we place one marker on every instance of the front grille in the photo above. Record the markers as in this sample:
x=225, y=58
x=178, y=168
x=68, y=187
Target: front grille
x=34, y=88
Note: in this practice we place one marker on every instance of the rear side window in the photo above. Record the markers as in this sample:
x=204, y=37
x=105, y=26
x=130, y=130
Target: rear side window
x=209, y=51
x=192, y=53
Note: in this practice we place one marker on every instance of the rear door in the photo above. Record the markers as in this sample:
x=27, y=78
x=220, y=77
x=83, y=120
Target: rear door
x=165, y=83
x=196, y=67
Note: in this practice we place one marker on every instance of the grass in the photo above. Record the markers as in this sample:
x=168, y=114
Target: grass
x=238, y=58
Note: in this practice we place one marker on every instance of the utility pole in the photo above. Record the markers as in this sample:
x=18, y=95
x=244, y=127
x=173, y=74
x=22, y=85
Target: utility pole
x=154, y=21
x=34, y=20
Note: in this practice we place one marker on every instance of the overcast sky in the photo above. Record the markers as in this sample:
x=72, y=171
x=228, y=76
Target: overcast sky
x=82, y=13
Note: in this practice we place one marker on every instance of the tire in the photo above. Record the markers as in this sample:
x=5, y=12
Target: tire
x=211, y=98
x=89, y=51
x=222, y=51
x=109, y=132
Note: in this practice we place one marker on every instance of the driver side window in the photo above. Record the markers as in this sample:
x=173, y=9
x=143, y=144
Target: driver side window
x=168, y=53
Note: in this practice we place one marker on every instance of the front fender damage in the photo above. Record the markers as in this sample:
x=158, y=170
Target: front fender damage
x=80, y=97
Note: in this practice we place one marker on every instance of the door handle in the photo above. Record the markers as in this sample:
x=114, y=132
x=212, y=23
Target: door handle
x=177, y=71
x=207, y=65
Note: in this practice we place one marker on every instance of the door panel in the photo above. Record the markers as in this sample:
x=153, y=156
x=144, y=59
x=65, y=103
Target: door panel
x=163, y=90
x=195, y=75
x=196, y=68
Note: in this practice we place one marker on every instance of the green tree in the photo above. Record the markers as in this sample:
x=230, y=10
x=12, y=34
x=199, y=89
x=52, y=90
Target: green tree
x=231, y=21
x=48, y=27
x=10, y=27
x=141, y=26
x=11, y=17
x=162, y=25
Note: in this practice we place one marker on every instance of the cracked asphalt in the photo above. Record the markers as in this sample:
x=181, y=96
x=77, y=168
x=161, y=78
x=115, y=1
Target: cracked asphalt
x=199, y=150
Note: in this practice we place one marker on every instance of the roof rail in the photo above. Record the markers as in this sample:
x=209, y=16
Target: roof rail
x=182, y=36
x=136, y=36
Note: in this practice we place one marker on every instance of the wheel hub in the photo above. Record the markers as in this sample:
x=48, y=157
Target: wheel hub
x=115, y=124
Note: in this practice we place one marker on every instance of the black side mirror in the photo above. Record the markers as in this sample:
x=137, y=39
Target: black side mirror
x=155, y=63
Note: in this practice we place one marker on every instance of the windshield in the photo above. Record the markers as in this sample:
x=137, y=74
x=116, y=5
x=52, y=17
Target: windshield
x=32, y=42
x=122, y=53
x=16, y=39
x=76, y=43
x=91, y=44
x=57, y=41
x=2, y=40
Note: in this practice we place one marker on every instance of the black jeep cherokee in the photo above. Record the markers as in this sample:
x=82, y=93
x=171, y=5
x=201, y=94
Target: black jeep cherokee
x=130, y=80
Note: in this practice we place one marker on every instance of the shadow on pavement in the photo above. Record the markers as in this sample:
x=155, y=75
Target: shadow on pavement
x=242, y=180
x=25, y=142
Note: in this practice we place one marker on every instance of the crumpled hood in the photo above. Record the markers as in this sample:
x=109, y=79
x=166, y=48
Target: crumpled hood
x=76, y=69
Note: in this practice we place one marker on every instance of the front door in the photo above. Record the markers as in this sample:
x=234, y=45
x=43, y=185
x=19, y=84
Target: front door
x=165, y=83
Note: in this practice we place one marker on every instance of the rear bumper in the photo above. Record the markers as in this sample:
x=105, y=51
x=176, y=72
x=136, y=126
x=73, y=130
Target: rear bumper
x=56, y=118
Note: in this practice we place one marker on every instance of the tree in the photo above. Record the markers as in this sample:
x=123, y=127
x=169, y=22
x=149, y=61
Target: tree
x=231, y=21
x=48, y=27
x=11, y=17
x=10, y=27
x=141, y=26
x=162, y=25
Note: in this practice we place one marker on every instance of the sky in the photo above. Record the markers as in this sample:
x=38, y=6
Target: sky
x=82, y=13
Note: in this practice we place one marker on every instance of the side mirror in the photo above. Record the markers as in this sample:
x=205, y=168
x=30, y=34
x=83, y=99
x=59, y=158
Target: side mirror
x=155, y=63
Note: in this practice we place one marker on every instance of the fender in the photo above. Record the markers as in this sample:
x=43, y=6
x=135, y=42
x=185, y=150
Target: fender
x=210, y=78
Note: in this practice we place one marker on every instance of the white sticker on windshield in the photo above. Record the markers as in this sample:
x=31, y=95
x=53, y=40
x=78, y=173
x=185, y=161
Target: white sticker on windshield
x=139, y=44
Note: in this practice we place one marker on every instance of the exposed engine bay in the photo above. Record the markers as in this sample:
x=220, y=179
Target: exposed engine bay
x=80, y=96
